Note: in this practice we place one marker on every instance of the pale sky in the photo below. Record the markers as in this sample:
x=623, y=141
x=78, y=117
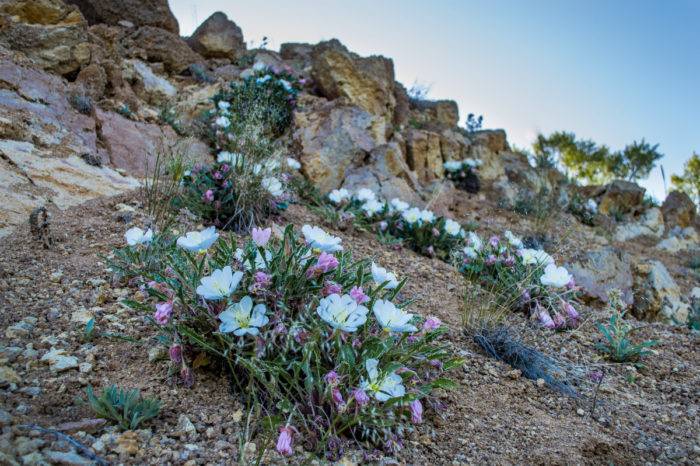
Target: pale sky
x=609, y=70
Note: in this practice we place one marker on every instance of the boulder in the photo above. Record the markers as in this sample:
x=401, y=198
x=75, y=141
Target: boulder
x=138, y=12
x=50, y=33
x=619, y=196
x=492, y=167
x=435, y=113
x=159, y=45
x=656, y=294
x=650, y=224
x=493, y=139
x=680, y=240
x=366, y=82
x=599, y=271
x=148, y=85
x=424, y=155
x=218, y=37
x=331, y=137
x=679, y=210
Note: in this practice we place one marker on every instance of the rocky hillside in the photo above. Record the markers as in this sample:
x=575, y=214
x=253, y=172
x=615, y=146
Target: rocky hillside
x=94, y=92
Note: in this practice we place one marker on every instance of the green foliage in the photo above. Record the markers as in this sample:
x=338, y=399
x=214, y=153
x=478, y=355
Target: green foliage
x=586, y=160
x=689, y=181
x=89, y=331
x=617, y=345
x=284, y=366
x=474, y=123
x=124, y=407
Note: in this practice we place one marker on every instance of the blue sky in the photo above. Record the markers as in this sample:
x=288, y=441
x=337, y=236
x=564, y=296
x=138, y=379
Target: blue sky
x=612, y=71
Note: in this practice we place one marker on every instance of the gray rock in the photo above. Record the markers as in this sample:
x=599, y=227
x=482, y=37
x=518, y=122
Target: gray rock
x=597, y=272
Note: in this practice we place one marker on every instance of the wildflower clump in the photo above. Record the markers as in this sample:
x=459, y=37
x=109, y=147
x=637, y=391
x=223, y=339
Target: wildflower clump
x=523, y=279
x=463, y=173
x=323, y=342
x=420, y=229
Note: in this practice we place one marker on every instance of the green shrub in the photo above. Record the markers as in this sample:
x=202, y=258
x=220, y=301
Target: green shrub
x=288, y=320
x=124, y=407
x=617, y=345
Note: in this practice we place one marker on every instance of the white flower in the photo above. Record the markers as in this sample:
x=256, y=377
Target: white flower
x=222, y=121
x=136, y=236
x=470, y=252
x=242, y=318
x=380, y=276
x=555, y=276
x=220, y=284
x=342, y=312
x=259, y=66
x=383, y=387
x=592, y=206
x=260, y=261
x=372, y=207
x=452, y=165
x=198, y=241
x=471, y=163
x=399, y=205
x=293, y=163
x=319, y=239
x=427, y=216
x=338, y=195
x=474, y=241
x=223, y=105
x=536, y=257
x=365, y=194
x=273, y=186
x=452, y=228
x=263, y=80
x=391, y=318
x=514, y=240
x=286, y=85
x=231, y=158
x=411, y=215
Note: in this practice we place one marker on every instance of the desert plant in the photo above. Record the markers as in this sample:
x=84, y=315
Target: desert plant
x=288, y=320
x=124, y=407
x=689, y=181
x=617, y=345
x=418, y=90
x=474, y=122
x=463, y=173
x=584, y=210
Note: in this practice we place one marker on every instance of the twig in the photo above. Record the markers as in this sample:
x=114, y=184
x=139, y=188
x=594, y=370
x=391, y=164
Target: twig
x=79, y=446
x=595, y=394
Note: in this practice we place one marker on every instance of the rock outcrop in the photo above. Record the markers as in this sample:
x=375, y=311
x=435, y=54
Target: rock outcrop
x=679, y=210
x=155, y=13
x=600, y=271
x=218, y=37
x=159, y=45
x=656, y=294
x=650, y=224
x=620, y=197
x=51, y=34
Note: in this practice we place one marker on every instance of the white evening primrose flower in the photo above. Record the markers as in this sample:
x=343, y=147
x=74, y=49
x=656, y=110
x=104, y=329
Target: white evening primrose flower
x=452, y=228
x=223, y=105
x=365, y=194
x=286, y=85
x=452, y=165
x=260, y=261
x=273, y=186
x=470, y=252
x=471, y=163
x=592, y=206
x=198, y=241
x=427, y=216
x=263, y=80
x=382, y=386
x=223, y=122
x=136, y=236
x=317, y=238
x=536, y=257
x=342, y=312
x=411, y=215
x=242, y=318
x=556, y=277
x=220, y=284
x=293, y=163
x=474, y=241
x=391, y=318
x=380, y=276
x=338, y=195
x=398, y=205
x=259, y=66
x=231, y=158
x=372, y=207
x=514, y=241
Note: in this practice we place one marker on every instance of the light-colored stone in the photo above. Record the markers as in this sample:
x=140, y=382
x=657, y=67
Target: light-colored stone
x=656, y=294
x=600, y=271
x=8, y=375
x=82, y=316
x=680, y=240
x=153, y=88
x=424, y=155
x=59, y=360
x=651, y=224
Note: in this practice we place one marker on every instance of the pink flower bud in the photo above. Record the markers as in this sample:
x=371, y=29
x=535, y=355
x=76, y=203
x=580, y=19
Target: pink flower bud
x=559, y=320
x=163, y=312
x=175, y=353
x=431, y=323
x=208, y=196
x=571, y=313
x=337, y=398
x=331, y=288
x=326, y=262
x=331, y=378
x=262, y=279
x=284, y=441
x=416, y=409
x=261, y=236
x=361, y=398
x=545, y=319
x=358, y=295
